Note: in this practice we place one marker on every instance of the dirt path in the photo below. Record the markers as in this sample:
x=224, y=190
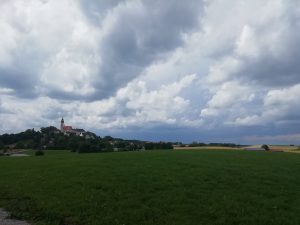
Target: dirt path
x=5, y=221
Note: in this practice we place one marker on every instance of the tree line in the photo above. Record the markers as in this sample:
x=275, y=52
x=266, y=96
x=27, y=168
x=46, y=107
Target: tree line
x=201, y=144
x=50, y=138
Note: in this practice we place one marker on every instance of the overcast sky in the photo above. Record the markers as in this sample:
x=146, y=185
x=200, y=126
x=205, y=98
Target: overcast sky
x=196, y=70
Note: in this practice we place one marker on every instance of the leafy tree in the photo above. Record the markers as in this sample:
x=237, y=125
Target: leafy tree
x=265, y=147
x=108, y=138
x=108, y=147
x=149, y=146
x=19, y=145
x=83, y=147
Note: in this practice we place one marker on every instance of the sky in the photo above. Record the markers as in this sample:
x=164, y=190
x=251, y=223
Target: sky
x=196, y=70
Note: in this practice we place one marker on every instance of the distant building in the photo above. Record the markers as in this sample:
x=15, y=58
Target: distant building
x=69, y=129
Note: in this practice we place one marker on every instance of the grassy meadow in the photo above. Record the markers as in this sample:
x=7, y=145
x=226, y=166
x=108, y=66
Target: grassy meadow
x=153, y=188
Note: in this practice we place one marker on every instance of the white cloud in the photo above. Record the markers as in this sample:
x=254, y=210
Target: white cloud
x=280, y=106
x=133, y=105
x=8, y=44
x=228, y=101
x=285, y=96
x=259, y=56
x=50, y=43
x=246, y=45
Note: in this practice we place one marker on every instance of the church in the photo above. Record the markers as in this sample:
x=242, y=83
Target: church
x=70, y=130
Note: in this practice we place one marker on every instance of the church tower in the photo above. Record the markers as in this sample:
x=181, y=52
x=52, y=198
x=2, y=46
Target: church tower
x=62, y=124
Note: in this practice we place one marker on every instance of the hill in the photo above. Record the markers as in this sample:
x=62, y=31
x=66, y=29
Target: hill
x=51, y=138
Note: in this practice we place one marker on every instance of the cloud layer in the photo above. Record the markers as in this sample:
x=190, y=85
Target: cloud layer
x=203, y=70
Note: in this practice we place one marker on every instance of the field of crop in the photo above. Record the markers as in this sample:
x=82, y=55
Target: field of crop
x=153, y=188
x=206, y=148
x=282, y=148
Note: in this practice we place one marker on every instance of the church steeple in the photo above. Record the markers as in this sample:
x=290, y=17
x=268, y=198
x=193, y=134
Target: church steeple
x=62, y=124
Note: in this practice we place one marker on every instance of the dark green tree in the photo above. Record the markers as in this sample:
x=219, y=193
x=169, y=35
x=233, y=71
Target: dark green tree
x=265, y=147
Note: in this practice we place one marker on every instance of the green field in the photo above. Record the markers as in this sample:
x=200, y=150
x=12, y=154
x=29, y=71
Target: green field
x=153, y=188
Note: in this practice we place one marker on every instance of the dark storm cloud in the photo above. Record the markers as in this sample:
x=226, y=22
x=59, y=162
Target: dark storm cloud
x=280, y=70
x=20, y=81
x=273, y=73
x=95, y=10
x=136, y=34
x=141, y=37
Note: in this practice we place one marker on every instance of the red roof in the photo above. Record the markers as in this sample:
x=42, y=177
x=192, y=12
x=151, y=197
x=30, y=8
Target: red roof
x=68, y=128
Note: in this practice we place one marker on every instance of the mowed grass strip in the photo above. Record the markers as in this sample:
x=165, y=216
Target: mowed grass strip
x=153, y=188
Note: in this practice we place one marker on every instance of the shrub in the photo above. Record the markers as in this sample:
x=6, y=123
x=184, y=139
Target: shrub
x=84, y=148
x=265, y=147
x=39, y=153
